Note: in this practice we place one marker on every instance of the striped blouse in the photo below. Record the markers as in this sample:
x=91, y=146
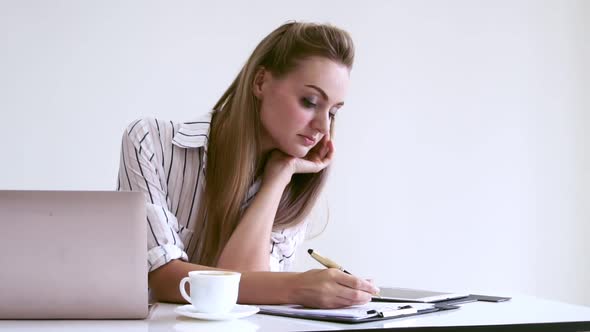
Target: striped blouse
x=166, y=161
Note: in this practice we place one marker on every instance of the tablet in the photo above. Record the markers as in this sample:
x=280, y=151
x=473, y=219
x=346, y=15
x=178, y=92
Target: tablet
x=415, y=295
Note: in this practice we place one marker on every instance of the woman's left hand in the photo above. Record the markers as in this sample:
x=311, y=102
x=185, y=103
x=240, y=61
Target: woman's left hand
x=318, y=158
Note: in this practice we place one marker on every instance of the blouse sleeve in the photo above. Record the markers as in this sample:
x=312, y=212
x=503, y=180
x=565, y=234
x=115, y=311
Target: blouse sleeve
x=140, y=170
x=284, y=244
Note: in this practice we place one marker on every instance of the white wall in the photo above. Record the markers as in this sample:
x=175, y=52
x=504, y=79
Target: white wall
x=462, y=152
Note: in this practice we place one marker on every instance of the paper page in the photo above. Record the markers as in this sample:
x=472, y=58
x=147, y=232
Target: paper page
x=370, y=309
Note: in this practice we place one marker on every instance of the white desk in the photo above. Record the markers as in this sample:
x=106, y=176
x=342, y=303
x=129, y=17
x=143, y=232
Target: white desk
x=520, y=310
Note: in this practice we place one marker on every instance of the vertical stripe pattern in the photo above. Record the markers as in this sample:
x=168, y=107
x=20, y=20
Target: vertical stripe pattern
x=166, y=162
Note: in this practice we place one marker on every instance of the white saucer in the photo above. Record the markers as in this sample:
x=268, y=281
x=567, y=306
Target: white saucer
x=238, y=311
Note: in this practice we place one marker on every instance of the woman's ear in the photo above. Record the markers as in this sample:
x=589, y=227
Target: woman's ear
x=259, y=80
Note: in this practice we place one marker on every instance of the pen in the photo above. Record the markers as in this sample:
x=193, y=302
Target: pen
x=326, y=261
x=329, y=263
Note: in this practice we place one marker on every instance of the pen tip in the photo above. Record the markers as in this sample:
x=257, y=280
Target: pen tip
x=309, y=251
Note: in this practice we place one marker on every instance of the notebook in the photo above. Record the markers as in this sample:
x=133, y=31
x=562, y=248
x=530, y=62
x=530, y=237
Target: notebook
x=371, y=311
x=73, y=255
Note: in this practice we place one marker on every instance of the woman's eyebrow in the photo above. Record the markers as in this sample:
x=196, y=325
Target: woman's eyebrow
x=323, y=93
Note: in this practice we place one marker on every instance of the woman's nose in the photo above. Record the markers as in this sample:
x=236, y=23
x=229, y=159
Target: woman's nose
x=321, y=122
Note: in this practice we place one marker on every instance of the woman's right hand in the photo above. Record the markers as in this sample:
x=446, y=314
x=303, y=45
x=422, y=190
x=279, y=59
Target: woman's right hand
x=331, y=288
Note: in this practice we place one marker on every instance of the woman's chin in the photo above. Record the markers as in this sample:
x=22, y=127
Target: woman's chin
x=296, y=151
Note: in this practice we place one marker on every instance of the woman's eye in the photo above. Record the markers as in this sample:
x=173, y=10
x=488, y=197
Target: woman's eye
x=332, y=115
x=308, y=103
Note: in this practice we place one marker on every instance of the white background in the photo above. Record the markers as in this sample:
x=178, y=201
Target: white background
x=462, y=151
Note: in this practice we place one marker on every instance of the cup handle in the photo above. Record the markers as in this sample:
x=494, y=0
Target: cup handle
x=183, y=291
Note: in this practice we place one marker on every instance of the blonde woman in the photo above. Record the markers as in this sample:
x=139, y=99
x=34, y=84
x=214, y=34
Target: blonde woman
x=232, y=189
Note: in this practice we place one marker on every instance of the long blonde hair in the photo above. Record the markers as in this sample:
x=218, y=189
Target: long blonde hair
x=234, y=140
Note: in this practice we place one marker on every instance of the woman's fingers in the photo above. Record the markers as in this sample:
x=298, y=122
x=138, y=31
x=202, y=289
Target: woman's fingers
x=307, y=166
x=332, y=288
x=318, y=161
x=329, y=151
x=327, y=146
x=353, y=282
x=352, y=290
x=353, y=296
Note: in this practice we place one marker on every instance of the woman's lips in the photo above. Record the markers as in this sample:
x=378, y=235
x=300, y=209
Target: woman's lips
x=307, y=141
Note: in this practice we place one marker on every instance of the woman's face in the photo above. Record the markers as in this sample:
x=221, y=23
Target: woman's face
x=296, y=109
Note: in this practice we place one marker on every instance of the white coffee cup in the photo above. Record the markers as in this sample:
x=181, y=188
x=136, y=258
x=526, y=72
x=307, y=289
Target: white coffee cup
x=211, y=291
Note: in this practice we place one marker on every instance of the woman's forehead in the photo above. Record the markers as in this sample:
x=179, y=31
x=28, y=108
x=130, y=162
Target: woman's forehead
x=330, y=76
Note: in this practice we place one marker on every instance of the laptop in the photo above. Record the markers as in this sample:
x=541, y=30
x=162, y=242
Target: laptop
x=73, y=255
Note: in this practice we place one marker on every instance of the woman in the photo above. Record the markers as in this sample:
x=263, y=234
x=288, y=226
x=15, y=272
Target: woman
x=232, y=189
